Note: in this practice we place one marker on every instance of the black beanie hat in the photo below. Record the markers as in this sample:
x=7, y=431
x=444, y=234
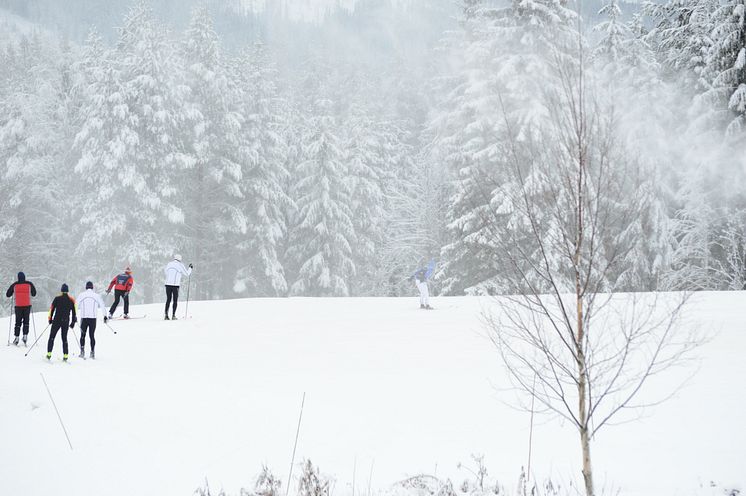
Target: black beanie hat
x=64, y=289
x=21, y=277
x=89, y=285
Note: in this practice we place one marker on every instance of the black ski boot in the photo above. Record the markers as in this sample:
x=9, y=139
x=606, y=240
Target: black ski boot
x=422, y=307
x=173, y=317
x=15, y=341
x=25, y=339
x=82, y=352
x=93, y=354
x=167, y=317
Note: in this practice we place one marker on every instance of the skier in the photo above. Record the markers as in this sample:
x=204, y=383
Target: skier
x=420, y=278
x=62, y=307
x=122, y=285
x=23, y=291
x=174, y=270
x=89, y=302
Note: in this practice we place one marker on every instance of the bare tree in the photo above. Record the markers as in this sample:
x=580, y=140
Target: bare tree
x=569, y=340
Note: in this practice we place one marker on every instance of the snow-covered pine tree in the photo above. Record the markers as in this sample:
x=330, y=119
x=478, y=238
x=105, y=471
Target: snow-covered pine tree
x=370, y=147
x=629, y=77
x=212, y=191
x=266, y=201
x=681, y=35
x=34, y=142
x=693, y=264
x=323, y=238
x=726, y=68
x=506, y=53
x=131, y=153
x=613, y=33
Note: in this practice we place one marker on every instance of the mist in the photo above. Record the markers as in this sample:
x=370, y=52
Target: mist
x=331, y=148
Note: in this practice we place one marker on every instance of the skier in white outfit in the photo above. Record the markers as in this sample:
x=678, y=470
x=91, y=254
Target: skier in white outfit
x=420, y=278
x=174, y=271
x=89, y=303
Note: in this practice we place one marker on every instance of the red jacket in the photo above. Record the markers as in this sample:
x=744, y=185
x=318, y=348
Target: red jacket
x=23, y=290
x=122, y=282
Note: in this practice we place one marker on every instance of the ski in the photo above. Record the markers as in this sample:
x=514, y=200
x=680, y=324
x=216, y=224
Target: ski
x=131, y=318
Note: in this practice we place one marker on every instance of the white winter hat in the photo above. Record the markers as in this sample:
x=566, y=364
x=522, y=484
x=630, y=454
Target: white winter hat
x=177, y=257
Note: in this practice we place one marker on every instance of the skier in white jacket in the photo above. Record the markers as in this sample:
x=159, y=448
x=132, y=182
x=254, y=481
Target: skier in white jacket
x=174, y=271
x=89, y=303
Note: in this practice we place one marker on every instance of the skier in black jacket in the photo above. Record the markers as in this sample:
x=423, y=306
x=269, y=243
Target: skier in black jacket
x=59, y=316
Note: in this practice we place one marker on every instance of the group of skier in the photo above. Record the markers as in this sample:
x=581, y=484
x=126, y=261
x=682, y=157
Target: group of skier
x=65, y=309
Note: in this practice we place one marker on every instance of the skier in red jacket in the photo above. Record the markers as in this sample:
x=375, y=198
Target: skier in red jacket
x=122, y=285
x=23, y=291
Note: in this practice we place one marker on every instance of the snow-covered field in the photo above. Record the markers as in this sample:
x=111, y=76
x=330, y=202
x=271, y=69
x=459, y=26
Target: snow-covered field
x=388, y=388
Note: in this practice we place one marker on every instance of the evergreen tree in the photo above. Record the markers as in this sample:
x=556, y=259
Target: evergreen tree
x=131, y=150
x=726, y=67
x=681, y=34
x=34, y=139
x=325, y=234
x=212, y=194
x=507, y=52
x=265, y=175
x=613, y=33
x=371, y=153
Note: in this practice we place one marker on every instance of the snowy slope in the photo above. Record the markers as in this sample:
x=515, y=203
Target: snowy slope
x=168, y=404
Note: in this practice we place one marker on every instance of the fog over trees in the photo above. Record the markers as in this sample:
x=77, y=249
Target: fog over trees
x=329, y=152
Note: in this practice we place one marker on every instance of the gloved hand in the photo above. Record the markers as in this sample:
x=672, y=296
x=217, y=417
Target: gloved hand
x=191, y=266
x=50, y=321
x=72, y=325
x=106, y=319
x=108, y=291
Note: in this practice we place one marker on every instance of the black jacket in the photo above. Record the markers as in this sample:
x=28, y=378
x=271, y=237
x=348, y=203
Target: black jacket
x=62, y=306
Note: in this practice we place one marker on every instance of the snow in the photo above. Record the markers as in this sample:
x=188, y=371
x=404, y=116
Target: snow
x=167, y=404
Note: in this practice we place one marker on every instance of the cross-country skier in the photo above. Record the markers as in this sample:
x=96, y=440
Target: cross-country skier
x=174, y=271
x=63, y=306
x=89, y=302
x=23, y=291
x=122, y=285
x=420, y=278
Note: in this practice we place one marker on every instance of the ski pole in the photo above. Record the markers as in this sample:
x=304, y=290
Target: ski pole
x=33, y=321
x=37, y=339
x=112, y=329
x=186, y=308
x=10, y=319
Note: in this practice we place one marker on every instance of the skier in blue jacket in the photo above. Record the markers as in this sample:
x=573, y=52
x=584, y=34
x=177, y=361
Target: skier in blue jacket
x=420, y=279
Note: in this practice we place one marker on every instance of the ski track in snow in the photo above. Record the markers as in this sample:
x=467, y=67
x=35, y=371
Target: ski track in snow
x=167, y=404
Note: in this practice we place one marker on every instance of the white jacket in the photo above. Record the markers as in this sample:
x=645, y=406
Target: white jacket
x=88, y=304
x=174, y=270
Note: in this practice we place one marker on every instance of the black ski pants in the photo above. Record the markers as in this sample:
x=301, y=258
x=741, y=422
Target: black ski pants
x=172, y=292
x=87, y=325
x=22, y=318
x=124, y=295
x=56, y=326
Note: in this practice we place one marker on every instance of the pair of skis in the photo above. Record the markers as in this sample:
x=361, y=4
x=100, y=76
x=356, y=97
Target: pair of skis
x=121, y=317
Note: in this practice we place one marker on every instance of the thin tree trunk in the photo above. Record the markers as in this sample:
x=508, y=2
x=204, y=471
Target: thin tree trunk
x=583, y=416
